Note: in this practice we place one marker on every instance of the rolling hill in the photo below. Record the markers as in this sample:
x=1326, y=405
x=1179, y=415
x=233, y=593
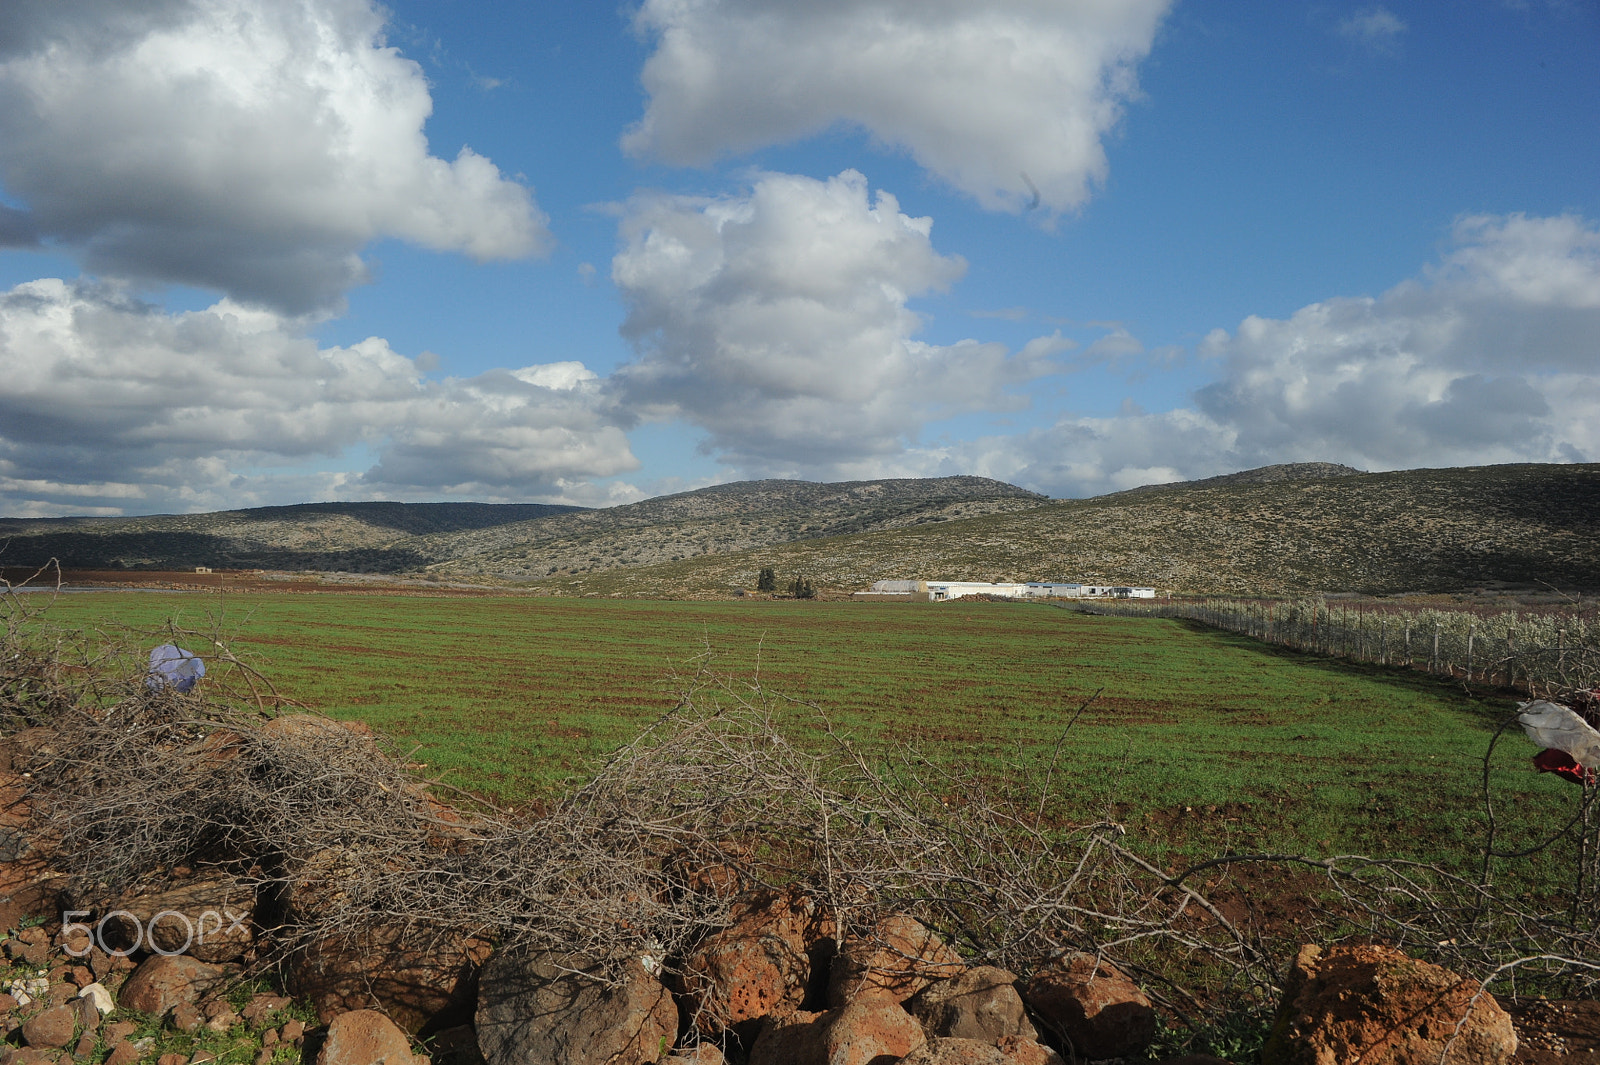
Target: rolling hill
x=1276, y=530
x=512, y=541
x=1287, y=532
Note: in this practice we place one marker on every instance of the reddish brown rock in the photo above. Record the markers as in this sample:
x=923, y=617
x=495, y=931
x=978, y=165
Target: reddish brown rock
x=1012, y=1050
x=759, y=966
x=161, y=982
x=116, y=1032
x=1091, y=1008
x=870, y=1030
x=186, y=1017
x=703, y=1054
x=946, y=1051
x=206, y=918
x=1020, y=1051
x=980, y=1003
x=548, y=1009
x=123, y=1053
x=1375, y=1005
x=794, y=1039
x=412, y=975
x=37, y=1056
x=365, y=1037
x=52, y=1028
x=898, y=956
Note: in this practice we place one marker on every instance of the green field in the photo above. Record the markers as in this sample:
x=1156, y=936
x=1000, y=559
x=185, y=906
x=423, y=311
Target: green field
x=1201, y=740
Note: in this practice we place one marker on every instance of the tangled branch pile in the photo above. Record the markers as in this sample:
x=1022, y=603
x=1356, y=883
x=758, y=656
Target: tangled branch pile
x=346, y=856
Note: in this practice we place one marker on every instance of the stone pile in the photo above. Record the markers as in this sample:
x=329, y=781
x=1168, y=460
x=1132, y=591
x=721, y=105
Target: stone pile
x=779, y=983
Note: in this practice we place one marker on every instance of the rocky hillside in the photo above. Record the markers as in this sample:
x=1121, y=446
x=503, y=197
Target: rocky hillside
x=509, y=541
x=1414, y=530
x=728, y=518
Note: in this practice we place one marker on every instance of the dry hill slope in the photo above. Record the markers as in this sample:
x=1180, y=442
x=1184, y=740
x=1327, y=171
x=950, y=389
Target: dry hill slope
x=514, y=541
x=1417, y=530
x=711, y=521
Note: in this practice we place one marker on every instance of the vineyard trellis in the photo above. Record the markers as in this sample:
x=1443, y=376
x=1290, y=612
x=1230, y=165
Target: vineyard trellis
x=1543, y=654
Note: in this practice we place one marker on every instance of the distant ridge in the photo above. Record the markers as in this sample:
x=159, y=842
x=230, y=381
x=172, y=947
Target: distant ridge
x=1283, y=471
x=516, y=540
x=1279, y=530
x=1282, y=530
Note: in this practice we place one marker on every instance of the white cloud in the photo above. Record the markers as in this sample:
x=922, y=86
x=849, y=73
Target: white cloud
x=779, y=322
x=110, y=402
x=1492, y=355
x=999, y=99
x=1376, y=28
x=246, y=147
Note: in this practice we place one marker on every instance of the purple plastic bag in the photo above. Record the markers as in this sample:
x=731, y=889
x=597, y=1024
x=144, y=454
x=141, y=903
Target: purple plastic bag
x=173, y=667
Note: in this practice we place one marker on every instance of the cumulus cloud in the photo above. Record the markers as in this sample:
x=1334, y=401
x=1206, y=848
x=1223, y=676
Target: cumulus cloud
x=1375, y=28
x=778, y=320
x=110, y=402
x=245, y=147
x=1008, y=101
x=1490, y=355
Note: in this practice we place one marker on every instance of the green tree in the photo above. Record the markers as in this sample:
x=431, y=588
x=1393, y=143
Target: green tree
x=768, y=581
x=802, y=588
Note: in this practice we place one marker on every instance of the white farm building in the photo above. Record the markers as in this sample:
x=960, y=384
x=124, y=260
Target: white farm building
x=943, y=591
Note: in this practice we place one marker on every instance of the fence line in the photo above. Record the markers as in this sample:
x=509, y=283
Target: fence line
x=1539, y=653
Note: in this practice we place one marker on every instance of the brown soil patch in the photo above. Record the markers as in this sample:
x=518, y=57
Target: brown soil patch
x=1552, y=1031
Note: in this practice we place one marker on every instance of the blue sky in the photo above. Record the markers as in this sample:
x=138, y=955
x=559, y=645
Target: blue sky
x=257, y=253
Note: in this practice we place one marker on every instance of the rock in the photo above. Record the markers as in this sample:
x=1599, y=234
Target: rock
x=7, y=1003
x=794, y=1039
x=456, y=1046
x=1022, y=1051
x=703, y=1054
x=1194, y=1059
x=172, y=1059
x=1377, y=1005
x=88, y=1014
x=761, y=965
x=542, y=1008
x=410, y=974
x=220, y=1015
x=980, y=1003
x=34, y=954
x=946, y=1051
x=257, y=1010
x=162, y=981
x=87, y=1041
x=52, y=1028
x=365, y=1037
x=293, y=1030
x=899, y=956
x=115, y=1033
x=206, y=918
x=37, y=1056
x=186, y=1018
x=871, y=1029
x=1090, y=1006
x=123, y=1053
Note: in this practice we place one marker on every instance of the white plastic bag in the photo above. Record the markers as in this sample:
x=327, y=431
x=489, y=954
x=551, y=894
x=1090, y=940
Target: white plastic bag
x=1555, y=726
